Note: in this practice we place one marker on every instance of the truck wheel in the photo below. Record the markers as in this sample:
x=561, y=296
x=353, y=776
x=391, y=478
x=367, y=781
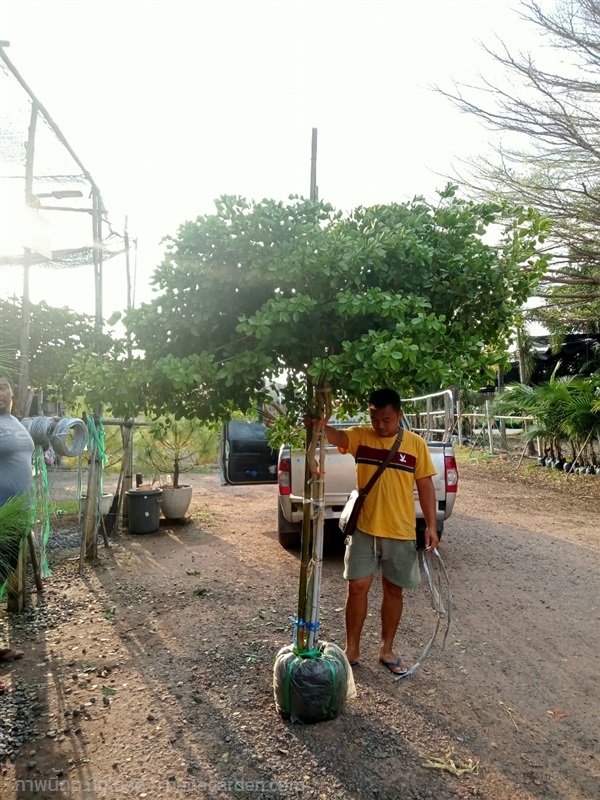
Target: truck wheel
x=288, y=533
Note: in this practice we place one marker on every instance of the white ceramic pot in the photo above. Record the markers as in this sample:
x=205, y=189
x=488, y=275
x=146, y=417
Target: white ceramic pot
x=105, y=505
x=175, y=502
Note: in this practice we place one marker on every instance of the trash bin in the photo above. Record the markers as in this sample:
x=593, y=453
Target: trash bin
x=143, y=510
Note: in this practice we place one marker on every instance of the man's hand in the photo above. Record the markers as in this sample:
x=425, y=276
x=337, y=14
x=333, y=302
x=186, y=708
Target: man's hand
x=311, y=422
x=334, y=436
x=426, y=492
x=431, y=539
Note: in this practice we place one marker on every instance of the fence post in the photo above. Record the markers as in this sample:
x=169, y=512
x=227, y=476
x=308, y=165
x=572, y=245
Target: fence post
x=448, y=417
x=488, y=412
x=429, y=410
x=459, y=418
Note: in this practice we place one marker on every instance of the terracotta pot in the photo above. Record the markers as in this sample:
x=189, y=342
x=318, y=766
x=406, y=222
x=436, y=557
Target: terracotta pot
x=175, y=502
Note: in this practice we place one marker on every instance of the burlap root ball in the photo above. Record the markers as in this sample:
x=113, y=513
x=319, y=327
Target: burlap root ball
x=310, y=688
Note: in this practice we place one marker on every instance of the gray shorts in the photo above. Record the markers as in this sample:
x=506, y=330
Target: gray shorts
x=398, y=558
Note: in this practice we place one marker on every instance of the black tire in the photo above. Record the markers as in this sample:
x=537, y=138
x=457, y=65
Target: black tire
x=288, y=533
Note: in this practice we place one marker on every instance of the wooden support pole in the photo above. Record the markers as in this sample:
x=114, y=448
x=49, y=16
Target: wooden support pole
x=104, y=533
x=502, y=422
x=34, y=563
x=89, y=548
x=15, y=589
x=127, y=434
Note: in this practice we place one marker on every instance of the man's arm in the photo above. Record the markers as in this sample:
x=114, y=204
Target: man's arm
x=337, y=437
x=334, y=436
x=426, y=492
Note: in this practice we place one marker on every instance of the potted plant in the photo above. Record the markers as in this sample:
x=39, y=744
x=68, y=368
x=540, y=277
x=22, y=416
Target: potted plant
x=172, y=447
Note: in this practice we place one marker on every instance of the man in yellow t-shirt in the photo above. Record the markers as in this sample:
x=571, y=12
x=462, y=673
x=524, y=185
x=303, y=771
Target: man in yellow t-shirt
x=385, y=535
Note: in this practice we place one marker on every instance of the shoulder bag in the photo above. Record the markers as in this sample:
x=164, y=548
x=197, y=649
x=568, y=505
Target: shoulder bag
x=354, y=504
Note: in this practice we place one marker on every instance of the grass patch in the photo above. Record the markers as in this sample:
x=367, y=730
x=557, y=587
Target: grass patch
x=465, y=455
x=66, y=508
x=201, y=513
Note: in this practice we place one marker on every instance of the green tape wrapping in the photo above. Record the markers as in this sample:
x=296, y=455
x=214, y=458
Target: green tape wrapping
x=96, y=437
x=43, y=507
x=314, y=653
x=329, y=659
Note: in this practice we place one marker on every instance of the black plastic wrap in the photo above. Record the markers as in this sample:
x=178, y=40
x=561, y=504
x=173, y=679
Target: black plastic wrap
x=312, y=688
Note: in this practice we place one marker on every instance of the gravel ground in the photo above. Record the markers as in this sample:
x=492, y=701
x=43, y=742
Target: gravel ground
x=150, y=674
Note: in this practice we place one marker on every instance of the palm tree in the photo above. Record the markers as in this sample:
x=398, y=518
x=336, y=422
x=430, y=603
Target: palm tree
x=564, y=409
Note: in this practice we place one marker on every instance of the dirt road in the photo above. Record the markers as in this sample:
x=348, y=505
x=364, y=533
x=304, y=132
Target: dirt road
x=151, y=674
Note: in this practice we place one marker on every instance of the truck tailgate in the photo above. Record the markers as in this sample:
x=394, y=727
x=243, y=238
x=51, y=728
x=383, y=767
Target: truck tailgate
x=340, y=472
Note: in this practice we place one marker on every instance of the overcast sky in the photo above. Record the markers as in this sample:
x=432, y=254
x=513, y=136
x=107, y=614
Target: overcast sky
x=173, y=102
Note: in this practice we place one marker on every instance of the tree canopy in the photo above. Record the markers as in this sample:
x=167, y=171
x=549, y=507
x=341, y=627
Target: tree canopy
x=547, y=106
x=56, y=335
x=410, y=295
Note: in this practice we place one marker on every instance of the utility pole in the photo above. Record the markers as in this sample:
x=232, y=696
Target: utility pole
x=127, y=270
x=314, y=189
x=23, y=392
x=97, y=254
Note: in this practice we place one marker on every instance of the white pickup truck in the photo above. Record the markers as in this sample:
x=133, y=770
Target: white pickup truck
x=247, y=458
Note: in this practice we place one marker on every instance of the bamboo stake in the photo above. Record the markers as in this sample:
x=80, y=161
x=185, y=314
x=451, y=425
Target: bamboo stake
x=104, y=534
x=301, y=632
x=323, y=395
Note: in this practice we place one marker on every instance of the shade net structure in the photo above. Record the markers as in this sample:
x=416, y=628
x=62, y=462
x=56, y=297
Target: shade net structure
x=51, y=208
x=49, y=202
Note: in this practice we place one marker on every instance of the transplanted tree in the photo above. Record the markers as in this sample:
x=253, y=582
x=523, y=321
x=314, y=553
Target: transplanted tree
x=405, y=295
x=408, y=295
x=548, y=107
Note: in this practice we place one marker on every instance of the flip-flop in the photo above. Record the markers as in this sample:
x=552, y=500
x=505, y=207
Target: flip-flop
x=3, y=687
x=10, y=655
x=390, y=664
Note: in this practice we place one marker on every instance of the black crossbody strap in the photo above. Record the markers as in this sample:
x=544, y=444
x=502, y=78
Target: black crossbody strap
x=364, y=492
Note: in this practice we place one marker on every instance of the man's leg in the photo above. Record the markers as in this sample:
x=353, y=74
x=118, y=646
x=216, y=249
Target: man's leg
x=360, y=562
x=391, y=613
x=356, y=613
x=400, y=568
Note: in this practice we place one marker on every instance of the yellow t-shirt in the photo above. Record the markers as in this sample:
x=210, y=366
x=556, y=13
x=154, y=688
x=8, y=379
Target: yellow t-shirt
x=389, y=509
